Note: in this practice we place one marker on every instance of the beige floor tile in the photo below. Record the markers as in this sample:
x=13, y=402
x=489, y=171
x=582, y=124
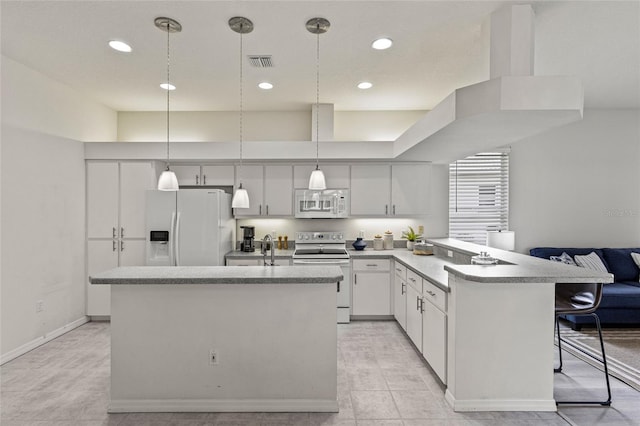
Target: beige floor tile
x=375, y=405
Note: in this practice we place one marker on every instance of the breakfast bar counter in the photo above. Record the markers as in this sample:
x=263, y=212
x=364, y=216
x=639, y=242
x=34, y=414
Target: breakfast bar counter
x=186, y=339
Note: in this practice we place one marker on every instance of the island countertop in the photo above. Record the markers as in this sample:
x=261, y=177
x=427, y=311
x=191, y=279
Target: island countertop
x=219, y=275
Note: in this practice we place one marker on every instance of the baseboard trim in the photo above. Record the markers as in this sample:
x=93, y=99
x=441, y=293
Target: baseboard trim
x=223, y=405
x=500, y=404
x=29, y=346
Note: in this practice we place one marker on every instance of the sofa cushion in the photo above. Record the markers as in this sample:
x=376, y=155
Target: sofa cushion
x=621, y=264
x=619, y=295
x=547, y=252
x=564, y=258
x=591, y=261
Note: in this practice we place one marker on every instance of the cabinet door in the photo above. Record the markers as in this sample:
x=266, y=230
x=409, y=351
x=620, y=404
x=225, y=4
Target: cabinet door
x=102, y=200
x=217, y=175
x=336, y=175
x=135, y=179
x=371, y=293
x=102, y=255
x=414, y=317
x=132, y=252
x=244, y=262
x=410, y=185
x=400, y=302
x=187, y=174
x=252, y=179
x=434, y=339
x=278, y=191
x=370, y=190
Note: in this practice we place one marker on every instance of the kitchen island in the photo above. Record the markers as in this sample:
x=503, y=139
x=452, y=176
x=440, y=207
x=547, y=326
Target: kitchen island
x=186, y=339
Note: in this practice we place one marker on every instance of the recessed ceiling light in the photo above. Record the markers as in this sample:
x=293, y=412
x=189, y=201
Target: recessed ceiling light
x=365, y=85
x=382, y=43
x=167, y=86
x=265, y=85
x=120, y=46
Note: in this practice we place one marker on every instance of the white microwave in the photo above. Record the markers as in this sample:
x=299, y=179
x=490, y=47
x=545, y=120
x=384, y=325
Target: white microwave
x=325, y=204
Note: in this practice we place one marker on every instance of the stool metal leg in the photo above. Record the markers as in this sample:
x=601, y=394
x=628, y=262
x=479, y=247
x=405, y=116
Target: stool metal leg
x=559, y=369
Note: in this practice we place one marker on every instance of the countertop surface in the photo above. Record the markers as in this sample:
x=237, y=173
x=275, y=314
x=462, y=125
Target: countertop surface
x=219, y=275
x=521, y=268
x=279, y=254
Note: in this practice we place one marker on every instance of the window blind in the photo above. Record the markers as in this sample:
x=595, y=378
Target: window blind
x=479, y=196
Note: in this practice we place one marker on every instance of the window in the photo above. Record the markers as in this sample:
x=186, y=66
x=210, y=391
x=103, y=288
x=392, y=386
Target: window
x=479, y=196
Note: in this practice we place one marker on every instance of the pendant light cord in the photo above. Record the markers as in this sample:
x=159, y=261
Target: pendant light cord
x=317, y=95
x=241, y=107
x=168, y=87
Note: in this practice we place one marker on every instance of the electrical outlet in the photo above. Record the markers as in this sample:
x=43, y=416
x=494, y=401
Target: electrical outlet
x=450, y=253
x=39, y=306
x=213, y=357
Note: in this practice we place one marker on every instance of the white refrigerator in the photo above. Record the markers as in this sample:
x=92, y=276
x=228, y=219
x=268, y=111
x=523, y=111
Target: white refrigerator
x=189, y=227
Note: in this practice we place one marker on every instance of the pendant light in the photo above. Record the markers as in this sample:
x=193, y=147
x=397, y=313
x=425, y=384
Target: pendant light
x=242, y=26
x=168, y=180
x=317, y=26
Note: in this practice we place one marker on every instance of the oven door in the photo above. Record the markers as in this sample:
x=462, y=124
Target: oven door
x=343, y=297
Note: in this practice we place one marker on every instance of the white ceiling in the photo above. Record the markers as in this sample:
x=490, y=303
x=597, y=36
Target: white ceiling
x=438, y=47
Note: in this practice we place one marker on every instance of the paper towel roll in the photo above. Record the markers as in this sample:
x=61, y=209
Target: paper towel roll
x=504, y=240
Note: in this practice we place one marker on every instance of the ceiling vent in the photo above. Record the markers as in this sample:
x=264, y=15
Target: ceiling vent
x=261, y=61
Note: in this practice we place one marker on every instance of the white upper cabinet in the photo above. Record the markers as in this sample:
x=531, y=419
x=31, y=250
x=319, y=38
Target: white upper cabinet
x=336, y=175
x=188, y=175
x=135, y=179
x=270, y=190
x=102, y=199
x=278, y=191
x=410, y=184
x=370, y=189
x=219, y=175
x=383, y=190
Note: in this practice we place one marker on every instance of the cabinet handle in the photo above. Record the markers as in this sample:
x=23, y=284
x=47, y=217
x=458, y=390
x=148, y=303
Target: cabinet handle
x=122, y=232
x=338, y=286
x=398, y=269
x=394, y=209
x=204, y=179
x=402, y=288
x=386, y=209
x=355, y=279
x=430, y=293
x=372, y=264
x=113, y=245
x=121, y=245
x=417, y=303
x=421, y=305
x=114, y=232
x=412, y=279
x=197, y=180
x=260, y=210
x=267, y=206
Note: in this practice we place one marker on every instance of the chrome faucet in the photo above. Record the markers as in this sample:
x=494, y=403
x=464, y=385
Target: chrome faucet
x=263, y=250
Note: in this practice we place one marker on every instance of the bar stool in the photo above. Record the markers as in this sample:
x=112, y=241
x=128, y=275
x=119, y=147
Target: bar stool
x=581, y=299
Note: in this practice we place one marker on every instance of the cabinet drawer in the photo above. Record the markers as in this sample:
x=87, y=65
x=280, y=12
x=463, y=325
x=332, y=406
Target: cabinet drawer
x=434, y=295
x=414, y=280
x=371, y=264
x=244, y=262
x=401, y=271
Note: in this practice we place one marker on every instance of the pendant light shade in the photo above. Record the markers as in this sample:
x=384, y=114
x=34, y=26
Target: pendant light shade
x=317, y=26
x=240, y=199
x=316, y=181
x=168, y=180
x=241, y=25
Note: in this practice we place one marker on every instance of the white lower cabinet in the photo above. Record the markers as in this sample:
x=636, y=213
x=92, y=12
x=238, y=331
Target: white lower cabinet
x=414, y=315
x=253, y=261
x=371, y=289
x=400, y=295
x=434, y=338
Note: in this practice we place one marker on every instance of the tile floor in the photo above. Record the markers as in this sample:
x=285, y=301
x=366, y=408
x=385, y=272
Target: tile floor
x=382, y=381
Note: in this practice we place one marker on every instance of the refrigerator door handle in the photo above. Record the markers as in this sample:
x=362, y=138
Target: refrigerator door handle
x=177, y=239
x=172, y=240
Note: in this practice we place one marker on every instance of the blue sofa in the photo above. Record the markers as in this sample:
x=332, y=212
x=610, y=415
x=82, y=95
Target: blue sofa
x=620, y=304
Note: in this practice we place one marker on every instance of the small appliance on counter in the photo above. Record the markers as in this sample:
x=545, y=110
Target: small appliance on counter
x=484, y=258
x=248, y=235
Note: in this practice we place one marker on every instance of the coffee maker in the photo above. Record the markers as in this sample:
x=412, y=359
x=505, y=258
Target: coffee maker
x=248, y=233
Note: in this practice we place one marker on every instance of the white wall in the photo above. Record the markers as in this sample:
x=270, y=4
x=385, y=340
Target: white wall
x=223, y=126
x=578, y=185
x=43, y=216
x=31, y=100
x=435, y=223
